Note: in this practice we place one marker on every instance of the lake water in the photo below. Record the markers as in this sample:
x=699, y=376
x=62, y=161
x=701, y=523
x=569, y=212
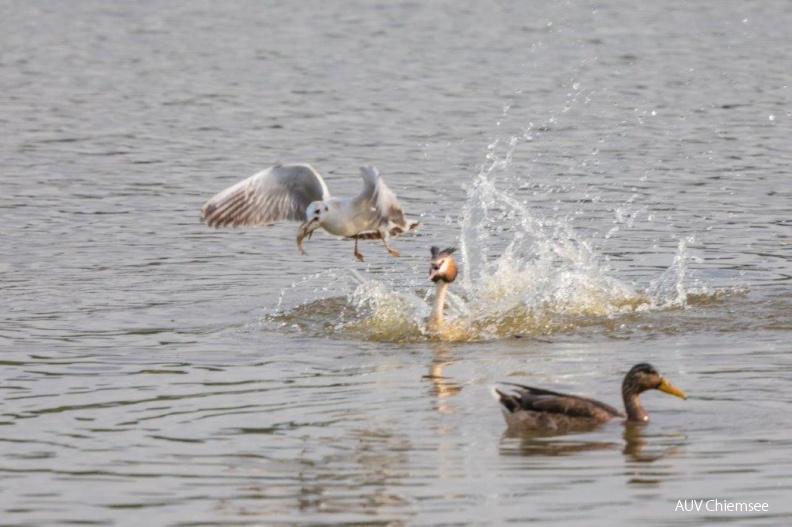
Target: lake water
x=615, y=176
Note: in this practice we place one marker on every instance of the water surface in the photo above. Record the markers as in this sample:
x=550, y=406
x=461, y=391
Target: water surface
x=616, y=181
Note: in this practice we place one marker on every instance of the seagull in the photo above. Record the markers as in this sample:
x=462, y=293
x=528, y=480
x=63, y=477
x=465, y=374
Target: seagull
x=298, y=192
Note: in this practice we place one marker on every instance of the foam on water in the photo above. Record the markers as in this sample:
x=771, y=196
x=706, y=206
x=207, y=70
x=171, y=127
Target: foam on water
x=545, y=280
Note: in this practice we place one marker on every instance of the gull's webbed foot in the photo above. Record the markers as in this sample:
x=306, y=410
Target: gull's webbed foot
x=357, y=253
x=383, y=236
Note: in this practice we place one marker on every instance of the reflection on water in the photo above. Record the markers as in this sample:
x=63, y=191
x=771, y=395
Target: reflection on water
x=641, y=445
x=442, y=387
x=637, y=447
x=551, y=445
x=643, y=450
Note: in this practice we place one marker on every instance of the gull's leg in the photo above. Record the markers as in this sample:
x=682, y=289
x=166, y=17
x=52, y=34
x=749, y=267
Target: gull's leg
x=357, y=253
x=384, y=238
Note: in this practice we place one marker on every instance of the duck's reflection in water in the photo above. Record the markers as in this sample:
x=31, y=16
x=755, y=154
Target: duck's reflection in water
x=549, y=444
x=634, y=444
x=442, y=387
x=645, y=452
x=637, y=447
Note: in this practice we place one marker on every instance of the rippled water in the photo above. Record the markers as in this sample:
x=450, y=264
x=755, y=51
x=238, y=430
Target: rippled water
x=616, y=181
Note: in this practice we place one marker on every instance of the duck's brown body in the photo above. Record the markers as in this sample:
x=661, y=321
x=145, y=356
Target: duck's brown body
x=536, y=409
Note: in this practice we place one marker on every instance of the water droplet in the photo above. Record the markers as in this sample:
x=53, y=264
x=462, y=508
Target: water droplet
x=772, y=117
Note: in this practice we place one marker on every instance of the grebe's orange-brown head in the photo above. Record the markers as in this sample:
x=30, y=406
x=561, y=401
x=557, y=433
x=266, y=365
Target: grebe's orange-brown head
x=442, y=267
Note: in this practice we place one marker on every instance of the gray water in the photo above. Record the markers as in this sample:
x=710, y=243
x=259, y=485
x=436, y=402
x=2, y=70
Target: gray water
x=615, y=175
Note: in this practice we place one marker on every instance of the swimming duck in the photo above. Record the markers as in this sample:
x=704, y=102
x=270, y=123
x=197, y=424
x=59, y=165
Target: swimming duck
x=543, y=410
x=442, y=271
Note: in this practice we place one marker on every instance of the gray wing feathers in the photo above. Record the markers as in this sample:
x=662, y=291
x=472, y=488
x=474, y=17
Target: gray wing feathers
x=278, y=193
x=381, y=198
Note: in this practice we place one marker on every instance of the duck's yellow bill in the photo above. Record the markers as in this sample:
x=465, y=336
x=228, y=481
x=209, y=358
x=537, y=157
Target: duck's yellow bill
x=667, y=387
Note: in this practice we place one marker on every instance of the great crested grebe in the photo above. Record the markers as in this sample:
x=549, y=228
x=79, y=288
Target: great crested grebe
x=442, y=271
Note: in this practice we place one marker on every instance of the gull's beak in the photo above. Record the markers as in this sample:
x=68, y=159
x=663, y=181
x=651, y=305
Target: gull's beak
x=667, y=387
x=306, y=230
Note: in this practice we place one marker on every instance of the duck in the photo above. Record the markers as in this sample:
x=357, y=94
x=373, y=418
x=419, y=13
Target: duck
x=298, y=192
x=537, y=409
x=443, y=272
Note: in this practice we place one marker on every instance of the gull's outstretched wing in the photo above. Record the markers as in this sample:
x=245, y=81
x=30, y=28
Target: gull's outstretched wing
x=380, y=201
x=282, y=192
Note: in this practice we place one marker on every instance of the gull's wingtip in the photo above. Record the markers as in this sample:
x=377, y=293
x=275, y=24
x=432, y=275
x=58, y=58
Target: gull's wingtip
x=206, y=213
x=370, y=171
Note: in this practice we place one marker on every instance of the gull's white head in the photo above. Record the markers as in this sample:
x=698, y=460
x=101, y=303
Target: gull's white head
x=442, y=267
x=315, y=215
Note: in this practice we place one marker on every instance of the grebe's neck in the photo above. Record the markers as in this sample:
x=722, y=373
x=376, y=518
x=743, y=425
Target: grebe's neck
x=436, y=318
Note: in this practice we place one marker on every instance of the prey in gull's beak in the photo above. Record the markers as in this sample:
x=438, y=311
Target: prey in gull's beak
x=306, y=231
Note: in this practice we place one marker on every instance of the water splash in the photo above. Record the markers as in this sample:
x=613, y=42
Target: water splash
x=522, y=275
x=529, y=275
x=673, y=289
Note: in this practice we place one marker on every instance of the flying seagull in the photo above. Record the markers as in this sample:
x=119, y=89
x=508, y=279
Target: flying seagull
x=297, y=192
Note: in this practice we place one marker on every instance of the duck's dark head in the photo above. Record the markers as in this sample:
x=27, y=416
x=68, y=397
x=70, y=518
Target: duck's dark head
x=442, y=267
x=644, y=376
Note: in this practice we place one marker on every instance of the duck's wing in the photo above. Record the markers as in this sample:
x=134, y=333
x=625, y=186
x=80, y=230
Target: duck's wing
x=281, y=192
x=540, y=400
x=379, y=202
